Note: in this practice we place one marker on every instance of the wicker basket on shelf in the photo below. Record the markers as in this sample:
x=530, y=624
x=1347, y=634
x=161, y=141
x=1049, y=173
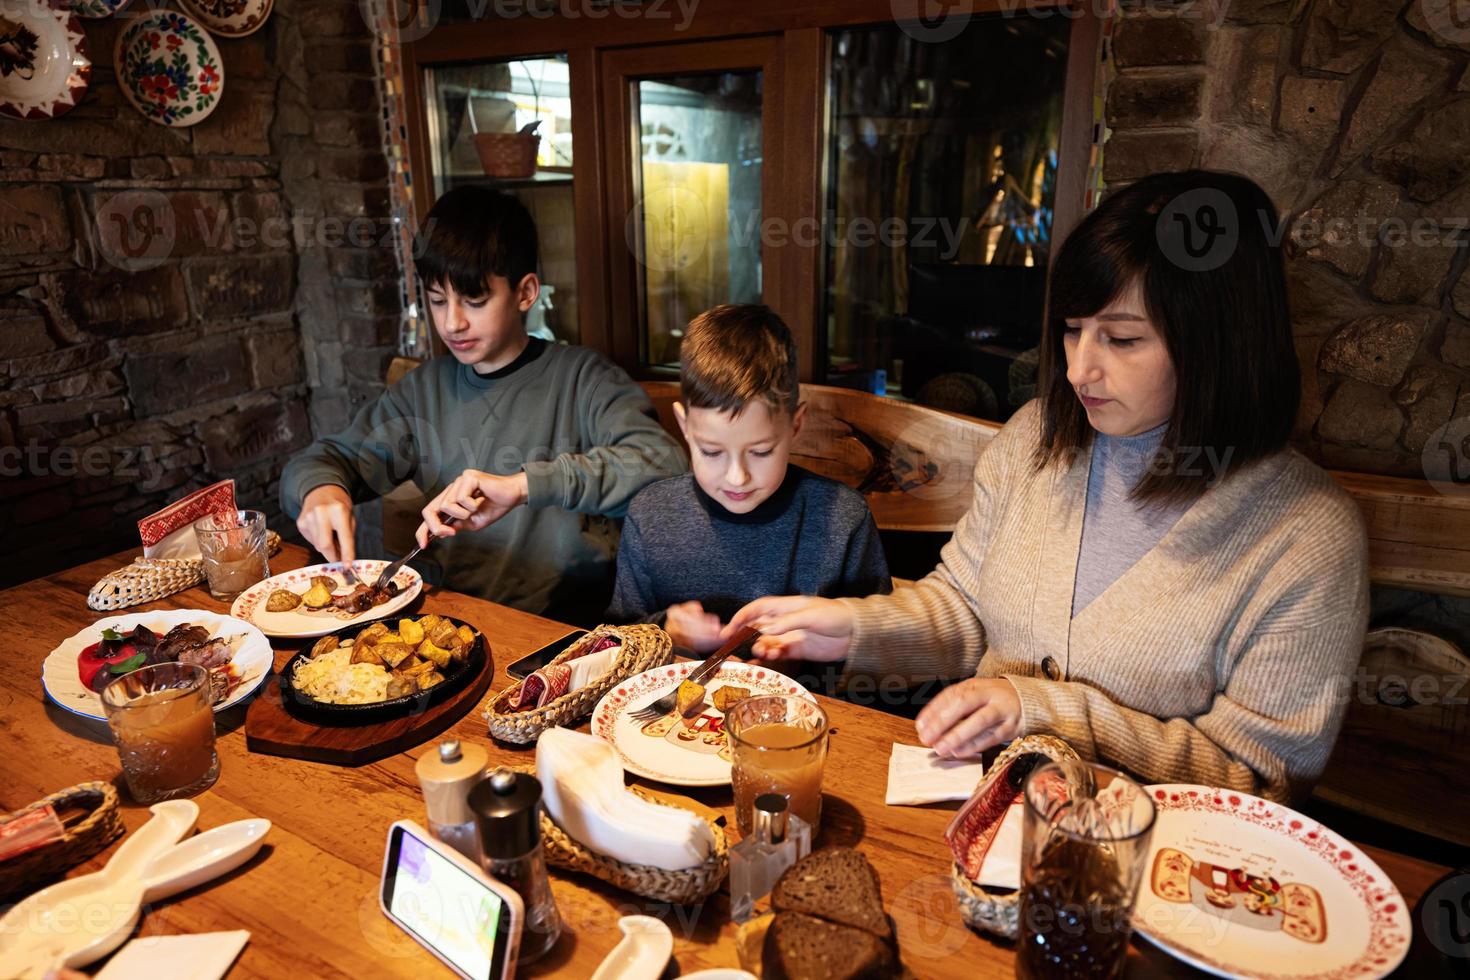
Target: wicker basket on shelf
x=147, y=579
x=998, y=910
x=100, y=827
x=507, y=154
x=644, y=648
x=678, y=887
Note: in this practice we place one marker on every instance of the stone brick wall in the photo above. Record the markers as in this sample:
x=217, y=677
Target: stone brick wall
x=182, y=305
x=1355, y=116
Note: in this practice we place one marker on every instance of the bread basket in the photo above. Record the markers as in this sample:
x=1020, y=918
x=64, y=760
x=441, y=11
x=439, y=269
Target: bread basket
x=100, y=827
x=678, y=887
x=994, y=910
x=644, y=648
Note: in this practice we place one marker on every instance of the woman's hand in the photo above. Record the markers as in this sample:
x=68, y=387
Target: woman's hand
x=326, y=522
x=475, y=500
x=969, y=717
x=796, y=627
x=693, y=628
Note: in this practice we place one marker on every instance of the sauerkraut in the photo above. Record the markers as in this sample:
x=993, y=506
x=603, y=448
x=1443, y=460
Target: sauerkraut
x=334, y=679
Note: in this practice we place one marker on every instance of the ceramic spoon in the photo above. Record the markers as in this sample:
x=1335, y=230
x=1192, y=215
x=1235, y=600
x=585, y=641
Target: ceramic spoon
x=149, y=867
x=642, y=955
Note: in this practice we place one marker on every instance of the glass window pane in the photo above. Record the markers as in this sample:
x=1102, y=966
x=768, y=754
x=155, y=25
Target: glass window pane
x=942, y=166
x=474, y=111
x=696, y=231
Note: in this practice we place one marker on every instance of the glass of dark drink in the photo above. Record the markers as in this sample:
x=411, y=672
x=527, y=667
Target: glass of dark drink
x=1085, y=842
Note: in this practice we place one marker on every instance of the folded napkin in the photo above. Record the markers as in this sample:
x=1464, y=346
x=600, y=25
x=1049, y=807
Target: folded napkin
x=917, y=775
x=204, y=956
x=582, y=785
x=1001, y=865
x=169, y=533
x=551, y=682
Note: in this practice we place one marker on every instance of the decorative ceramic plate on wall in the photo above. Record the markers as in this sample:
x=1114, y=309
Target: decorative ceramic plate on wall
x=1242, y=887
x=230, y=18
x=96, y=9
x=43, y=61
x=169, y=69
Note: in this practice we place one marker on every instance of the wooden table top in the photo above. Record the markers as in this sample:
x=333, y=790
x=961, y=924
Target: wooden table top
x=309, y=899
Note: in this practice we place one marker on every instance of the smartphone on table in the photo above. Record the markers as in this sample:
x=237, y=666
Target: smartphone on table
x=444, y=901
x=533, y=662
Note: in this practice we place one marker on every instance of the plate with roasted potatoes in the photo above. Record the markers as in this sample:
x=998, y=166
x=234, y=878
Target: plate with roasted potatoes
x=322, y=599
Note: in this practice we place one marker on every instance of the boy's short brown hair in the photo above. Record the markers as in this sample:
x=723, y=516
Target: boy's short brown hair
x=736, y=353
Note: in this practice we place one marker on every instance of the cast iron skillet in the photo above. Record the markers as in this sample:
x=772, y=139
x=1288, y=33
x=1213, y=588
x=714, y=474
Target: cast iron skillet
x=307, y=708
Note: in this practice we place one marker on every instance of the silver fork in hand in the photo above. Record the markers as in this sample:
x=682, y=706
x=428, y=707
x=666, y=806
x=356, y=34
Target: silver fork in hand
x=702, y=673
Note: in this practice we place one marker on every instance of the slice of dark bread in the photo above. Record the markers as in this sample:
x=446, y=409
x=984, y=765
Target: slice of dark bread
x=837, y=884
x=804, y=947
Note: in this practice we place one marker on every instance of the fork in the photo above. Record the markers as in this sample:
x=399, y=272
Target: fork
x=702, y=673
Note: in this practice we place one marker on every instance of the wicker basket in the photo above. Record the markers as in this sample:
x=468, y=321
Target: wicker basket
x=644, y=648
x=147, y=579
x=507, y=154
x=96, y=830
x=981, y=907
x=678, y=887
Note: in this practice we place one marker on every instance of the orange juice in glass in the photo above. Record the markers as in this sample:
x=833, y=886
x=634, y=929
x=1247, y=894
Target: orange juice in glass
x=778, y=745
x=162, y=721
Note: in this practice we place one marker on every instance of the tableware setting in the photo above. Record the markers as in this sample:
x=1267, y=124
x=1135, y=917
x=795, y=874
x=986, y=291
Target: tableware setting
x=44, y=64
x=345, y=597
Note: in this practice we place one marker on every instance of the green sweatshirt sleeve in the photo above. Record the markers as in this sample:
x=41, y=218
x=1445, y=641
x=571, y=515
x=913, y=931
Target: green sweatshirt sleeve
x=376, y=453
x=630, y=449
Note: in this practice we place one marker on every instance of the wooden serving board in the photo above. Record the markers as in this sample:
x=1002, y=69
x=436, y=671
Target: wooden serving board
x=271, y=730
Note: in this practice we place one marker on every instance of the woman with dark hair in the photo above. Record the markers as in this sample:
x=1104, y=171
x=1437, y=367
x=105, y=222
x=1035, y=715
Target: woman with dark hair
x=1147, y=570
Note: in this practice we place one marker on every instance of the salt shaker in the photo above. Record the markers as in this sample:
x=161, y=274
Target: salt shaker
x=507, y=807
x=778, y=839
x=447, y=776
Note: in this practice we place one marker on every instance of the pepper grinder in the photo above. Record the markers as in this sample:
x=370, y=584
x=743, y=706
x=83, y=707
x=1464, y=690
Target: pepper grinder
x=447, y=776
x=507, y=807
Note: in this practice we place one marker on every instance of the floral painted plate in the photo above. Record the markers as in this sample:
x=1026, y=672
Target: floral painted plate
x=1242, y=887
x=96, y=9
x=43, y=61
x=230, y=18
x=301, y=622
x=669, y=749
x=169, y=68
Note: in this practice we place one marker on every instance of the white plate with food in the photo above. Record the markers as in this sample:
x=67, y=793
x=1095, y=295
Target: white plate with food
x=237, y=655
x=683, y=749
x=1239, y=886
x=319, y=599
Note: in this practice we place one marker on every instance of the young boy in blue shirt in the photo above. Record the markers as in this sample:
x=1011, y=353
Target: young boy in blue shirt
x=532, y=447
x=745, y=523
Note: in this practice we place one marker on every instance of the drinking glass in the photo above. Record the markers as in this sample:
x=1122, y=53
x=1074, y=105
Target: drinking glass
x=778, y=744
x=162, y=720
x=1084, y=844
x=232, y=544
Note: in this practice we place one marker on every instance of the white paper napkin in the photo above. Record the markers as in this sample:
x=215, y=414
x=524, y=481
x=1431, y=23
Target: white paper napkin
x=917, y=775
x=1002, y=865
x=202, y=956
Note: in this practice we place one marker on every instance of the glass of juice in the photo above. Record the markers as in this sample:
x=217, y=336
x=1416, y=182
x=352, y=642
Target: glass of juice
x=162, y=721
x=778, y=744
x=232, y=544
x=1085, y=841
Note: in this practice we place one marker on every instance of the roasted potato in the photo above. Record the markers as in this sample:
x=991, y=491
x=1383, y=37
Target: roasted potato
x=441, y=632
x=325, y=581
x=373, y=634
x=458, y=650
x=428, y=680
x=420, y=667
x=439, y=656
x=392, y=654
x=282, y=600
x=400, y=685
x=412, y=632
x=317, y=596
x=466, y=634
x=364, y=654
x=325, y=645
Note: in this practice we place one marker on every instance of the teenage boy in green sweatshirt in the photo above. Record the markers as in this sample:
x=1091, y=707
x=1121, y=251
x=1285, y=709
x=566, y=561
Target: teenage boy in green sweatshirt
x=531, y=446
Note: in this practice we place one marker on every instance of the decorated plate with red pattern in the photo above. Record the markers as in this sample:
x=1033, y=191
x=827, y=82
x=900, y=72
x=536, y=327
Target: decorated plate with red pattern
x=230, y=18
x=682, y=751
x=168, y=67
x=43, y=60
x=301, y=622
x=1242, y=887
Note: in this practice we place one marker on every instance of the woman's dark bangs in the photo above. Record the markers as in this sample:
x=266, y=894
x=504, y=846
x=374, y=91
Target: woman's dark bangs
x=1088, y=278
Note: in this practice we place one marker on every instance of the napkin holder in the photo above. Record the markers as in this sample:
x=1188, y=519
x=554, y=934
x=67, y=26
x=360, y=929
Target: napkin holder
x=995, y=910
x=101, y=826
x=683, y=887
x=644, y=648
